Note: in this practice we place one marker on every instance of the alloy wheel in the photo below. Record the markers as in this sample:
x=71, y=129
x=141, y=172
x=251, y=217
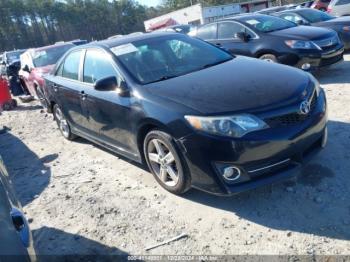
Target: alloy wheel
x=163, y=162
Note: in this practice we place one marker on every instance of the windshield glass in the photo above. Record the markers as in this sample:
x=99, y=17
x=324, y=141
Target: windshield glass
x=161, y=58
x=268, y=24
x=314, y=16
x=13, y=56
x=49, y=56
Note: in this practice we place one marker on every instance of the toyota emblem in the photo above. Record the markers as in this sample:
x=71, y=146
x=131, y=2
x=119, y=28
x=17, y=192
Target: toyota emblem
x=305, y=108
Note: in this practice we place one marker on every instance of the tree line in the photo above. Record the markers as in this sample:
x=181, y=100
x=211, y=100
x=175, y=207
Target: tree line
x=34, y=23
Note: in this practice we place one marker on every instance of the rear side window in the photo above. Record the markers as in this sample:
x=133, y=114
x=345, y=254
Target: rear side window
x=97, y=66
x=342, y=2
x=228, y=30
x=207, y=32
x=71, y=65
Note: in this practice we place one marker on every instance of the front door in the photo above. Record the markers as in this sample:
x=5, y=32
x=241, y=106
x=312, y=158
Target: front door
x=107, y=112
x=227, y=38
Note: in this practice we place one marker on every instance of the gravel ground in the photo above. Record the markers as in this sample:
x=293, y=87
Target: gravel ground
x=82, y=199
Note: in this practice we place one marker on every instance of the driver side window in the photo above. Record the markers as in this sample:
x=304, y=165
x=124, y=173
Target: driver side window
x=228, y=30
x=97, y=66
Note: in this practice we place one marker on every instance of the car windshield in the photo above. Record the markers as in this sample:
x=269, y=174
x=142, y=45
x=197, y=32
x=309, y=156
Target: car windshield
x=314, y=16
x=157, y=59
x=49, y=56
x=268, y=24
x=13, y=56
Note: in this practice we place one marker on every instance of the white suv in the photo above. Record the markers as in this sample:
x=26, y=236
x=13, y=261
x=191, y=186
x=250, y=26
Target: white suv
x=339, y=7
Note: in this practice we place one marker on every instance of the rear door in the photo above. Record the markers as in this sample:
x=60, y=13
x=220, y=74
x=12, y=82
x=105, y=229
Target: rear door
x=68, y=88
x=227, y=38
x=107, y=113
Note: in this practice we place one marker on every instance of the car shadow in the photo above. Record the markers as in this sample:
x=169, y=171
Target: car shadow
x=316, y=202
x=28, y=172
x=51, y=244
x=336, y=74
x=84, y=141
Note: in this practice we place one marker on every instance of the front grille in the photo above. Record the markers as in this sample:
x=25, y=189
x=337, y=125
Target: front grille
x=328, y=44
x=293, y=118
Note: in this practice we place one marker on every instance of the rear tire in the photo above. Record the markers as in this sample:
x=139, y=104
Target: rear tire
x=269, y=58
x=62, y=123
x=166, y=163
x=41, y=97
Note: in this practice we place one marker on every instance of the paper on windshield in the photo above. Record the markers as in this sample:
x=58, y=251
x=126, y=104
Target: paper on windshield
x=124, y=49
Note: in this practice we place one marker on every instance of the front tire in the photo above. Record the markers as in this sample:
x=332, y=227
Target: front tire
x=269, y=58
x=165, y=162
x=62, y=123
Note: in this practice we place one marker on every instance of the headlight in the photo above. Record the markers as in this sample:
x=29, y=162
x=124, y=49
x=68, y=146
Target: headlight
x=298, y=44
x=231, y=126
x=346, y=28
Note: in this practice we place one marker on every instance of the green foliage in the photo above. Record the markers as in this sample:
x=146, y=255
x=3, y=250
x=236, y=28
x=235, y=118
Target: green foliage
x=33, y=23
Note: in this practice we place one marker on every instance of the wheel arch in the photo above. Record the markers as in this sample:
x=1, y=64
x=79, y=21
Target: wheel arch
x=144, y=128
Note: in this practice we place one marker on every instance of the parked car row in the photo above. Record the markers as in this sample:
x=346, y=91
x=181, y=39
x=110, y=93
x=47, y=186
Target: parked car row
x=275, y=39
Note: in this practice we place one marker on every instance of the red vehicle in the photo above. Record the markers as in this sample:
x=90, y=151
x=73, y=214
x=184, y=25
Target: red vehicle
x=321, y=5
x=37, y=62
x=6, y=101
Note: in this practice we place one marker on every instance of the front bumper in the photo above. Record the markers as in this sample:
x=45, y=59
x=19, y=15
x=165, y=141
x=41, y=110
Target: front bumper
x=264, y=157
x=316, y=59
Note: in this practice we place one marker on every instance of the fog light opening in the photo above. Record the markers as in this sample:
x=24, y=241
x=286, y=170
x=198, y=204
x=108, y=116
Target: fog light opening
x=231, y=173
x=306, y=66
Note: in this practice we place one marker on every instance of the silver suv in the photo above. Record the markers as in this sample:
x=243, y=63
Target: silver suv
x=339, y=7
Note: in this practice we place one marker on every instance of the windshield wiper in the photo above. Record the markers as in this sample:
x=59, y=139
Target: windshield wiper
x=162, y=79
x=216, y=63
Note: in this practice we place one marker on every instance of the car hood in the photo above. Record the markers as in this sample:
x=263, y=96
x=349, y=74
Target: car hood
x=240, y=85
x=344, y=20
x=304, y=33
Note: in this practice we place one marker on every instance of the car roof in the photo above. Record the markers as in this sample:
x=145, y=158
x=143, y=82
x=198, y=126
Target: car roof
x=109, y=43
x=244, y=16
x=52, y=46
x=295, y=10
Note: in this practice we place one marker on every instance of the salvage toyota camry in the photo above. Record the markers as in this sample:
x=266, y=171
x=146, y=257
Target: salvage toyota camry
x=194, y=113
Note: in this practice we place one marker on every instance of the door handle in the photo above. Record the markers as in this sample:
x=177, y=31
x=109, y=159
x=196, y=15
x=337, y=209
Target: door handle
x=83, y=95
x=217, y=44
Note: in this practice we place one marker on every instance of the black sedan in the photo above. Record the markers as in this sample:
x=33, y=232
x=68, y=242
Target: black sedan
x=15, y=236
x=307, y=16
x=197, y=115
x=276, y=40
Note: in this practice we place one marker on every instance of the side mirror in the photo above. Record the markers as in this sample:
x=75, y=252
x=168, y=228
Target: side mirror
x=26, y=68
x=302, y=22
x=106, y=84
x=242, y=36
x=111, y=83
